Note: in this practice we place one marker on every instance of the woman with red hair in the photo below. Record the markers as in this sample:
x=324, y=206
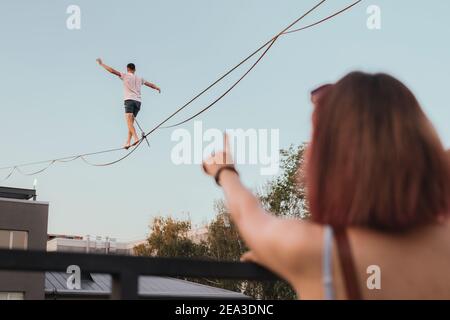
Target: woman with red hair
x=378, y=186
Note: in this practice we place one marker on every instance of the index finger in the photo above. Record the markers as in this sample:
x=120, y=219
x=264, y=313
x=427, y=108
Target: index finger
x=226, y=143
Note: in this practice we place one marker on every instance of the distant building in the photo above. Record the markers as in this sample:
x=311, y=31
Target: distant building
x=63, y=236
x=98, y=286
x=90, y=244
x=23, y=225
x=198, y=234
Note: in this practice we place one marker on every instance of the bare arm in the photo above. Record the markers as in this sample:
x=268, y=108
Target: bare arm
x=279, y=244
x=108, y=68
x=153, y=86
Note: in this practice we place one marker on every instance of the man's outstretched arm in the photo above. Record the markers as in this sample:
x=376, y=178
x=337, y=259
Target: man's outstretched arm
x=108, y=68
x=153, y=86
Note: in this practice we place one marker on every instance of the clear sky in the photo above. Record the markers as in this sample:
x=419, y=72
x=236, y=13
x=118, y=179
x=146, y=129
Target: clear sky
x=56, y=101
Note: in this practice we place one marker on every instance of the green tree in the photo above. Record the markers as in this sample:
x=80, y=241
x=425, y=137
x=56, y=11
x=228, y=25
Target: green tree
x=220, y=231
x=285, y=195
x=225, y=243
x=169, y=238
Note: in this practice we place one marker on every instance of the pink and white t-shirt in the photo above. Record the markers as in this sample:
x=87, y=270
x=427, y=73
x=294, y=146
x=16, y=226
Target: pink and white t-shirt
x=132, y=86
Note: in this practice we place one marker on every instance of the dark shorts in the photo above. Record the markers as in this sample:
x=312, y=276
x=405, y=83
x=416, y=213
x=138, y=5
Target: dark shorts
x=132, y=106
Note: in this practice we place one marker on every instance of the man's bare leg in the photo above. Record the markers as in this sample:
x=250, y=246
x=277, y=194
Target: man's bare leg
x=129, y=134
x=129, y=118
x=131, y=130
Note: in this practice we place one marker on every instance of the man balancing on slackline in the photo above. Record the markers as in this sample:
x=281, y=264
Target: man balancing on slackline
x=132, y=96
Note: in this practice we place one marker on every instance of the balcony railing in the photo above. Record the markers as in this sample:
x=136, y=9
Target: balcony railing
x=125, y=270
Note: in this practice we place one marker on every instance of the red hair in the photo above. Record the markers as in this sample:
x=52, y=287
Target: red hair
x=375, y=160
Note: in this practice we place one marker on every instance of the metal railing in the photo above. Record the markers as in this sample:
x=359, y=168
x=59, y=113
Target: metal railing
x=125, y=270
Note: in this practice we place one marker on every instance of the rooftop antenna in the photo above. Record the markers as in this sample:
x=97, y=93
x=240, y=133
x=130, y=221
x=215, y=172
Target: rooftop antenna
x=34, y=188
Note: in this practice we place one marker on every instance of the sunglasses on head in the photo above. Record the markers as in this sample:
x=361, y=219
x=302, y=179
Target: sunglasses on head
x=321, y=90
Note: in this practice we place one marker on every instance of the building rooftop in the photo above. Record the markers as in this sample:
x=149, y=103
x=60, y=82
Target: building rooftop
x=52, y=236
x=92, y=245
x=99, y=286
x=16, y=193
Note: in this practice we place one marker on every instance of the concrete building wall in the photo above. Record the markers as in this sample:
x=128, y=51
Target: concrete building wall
x=92, y=246
x=31, y=217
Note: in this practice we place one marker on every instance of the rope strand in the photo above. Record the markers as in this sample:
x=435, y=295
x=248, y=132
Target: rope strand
x=276, y=37
x=267, y=46
x=324, y=19
x=270, y=42
x=225, y=93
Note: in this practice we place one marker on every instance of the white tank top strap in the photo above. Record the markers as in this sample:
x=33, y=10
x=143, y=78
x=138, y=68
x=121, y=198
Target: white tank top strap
x=327, y=263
